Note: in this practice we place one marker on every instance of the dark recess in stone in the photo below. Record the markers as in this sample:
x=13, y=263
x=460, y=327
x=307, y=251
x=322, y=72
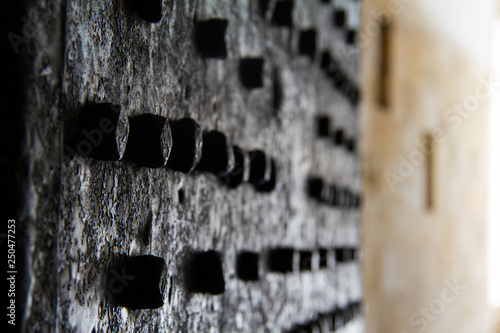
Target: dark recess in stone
x=331, y=194
x=338, y=137
x=322, y=126
x=357, y=200
x=270, y=183
x=181, y=195
x=333, y=68
x=146, y=231
x=139, y=283
x=186, y=145
x=345, y=254
x=250, y=72
x=204, y=273
x=354, y=96
x=350, y=37
x=323, y=258
x=328, y=194
x=330, y=322
x=247, y=266
x=356, y=308
x=313, y=327
x=310, y=327
x=338, y=319
x=338, y=78
x=347, y=198
x=345, y=88
x=170, y=290
x=348, y=90
x=144, y=145
x=148, y=10
x=315, y=187
x=354, y=200
x=96, y=136
x=263, y=6
x=277, y=91
x=261, y=170
x=339, y=255
x=340, y=197
x=301, y=329
x=307, y=42
x=353, y=254
x=334, y=194
x=325, y=60
x=344, y=198
x=339, y=18
x=239, y=174
x=347, y=312
x=217, y=154
x=280, y=260
x=210, y=38
x=282, y=14
x=257, y=166
x=305, y=260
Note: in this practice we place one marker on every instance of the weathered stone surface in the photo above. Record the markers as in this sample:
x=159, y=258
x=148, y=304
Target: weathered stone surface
x=84, y=216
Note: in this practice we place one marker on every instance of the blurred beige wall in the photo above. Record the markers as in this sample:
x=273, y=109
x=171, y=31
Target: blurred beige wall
x=424, y=214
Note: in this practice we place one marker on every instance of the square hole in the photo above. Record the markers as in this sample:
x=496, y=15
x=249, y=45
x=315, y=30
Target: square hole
x=307, y=42
x=204, y=273
x=282, y=15
x=250, y=71
x=247, y=266
x=323, y=258
x=305, y=260
x=210, y=38
x=280, y=260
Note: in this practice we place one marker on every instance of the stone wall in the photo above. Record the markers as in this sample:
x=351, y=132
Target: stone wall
x=92, y=202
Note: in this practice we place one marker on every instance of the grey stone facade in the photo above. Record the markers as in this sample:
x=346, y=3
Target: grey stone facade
x=82, y=217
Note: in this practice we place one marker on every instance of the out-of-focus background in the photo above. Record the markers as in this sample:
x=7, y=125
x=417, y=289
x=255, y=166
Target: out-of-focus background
x=430, y=133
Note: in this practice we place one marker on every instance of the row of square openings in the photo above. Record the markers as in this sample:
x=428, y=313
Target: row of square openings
x=336, y=134
x=137, y=283
x=207, y=266
x=153, y=141
x=282, y=16
x=211, y=44
x=332, y=194
x=332, y=321
x=210, y=41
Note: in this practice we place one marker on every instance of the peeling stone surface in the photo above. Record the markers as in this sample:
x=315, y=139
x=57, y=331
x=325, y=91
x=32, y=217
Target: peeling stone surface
x=87, y=216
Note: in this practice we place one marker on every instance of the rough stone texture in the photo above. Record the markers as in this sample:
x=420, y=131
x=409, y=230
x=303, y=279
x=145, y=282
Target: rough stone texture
x=83, y=216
